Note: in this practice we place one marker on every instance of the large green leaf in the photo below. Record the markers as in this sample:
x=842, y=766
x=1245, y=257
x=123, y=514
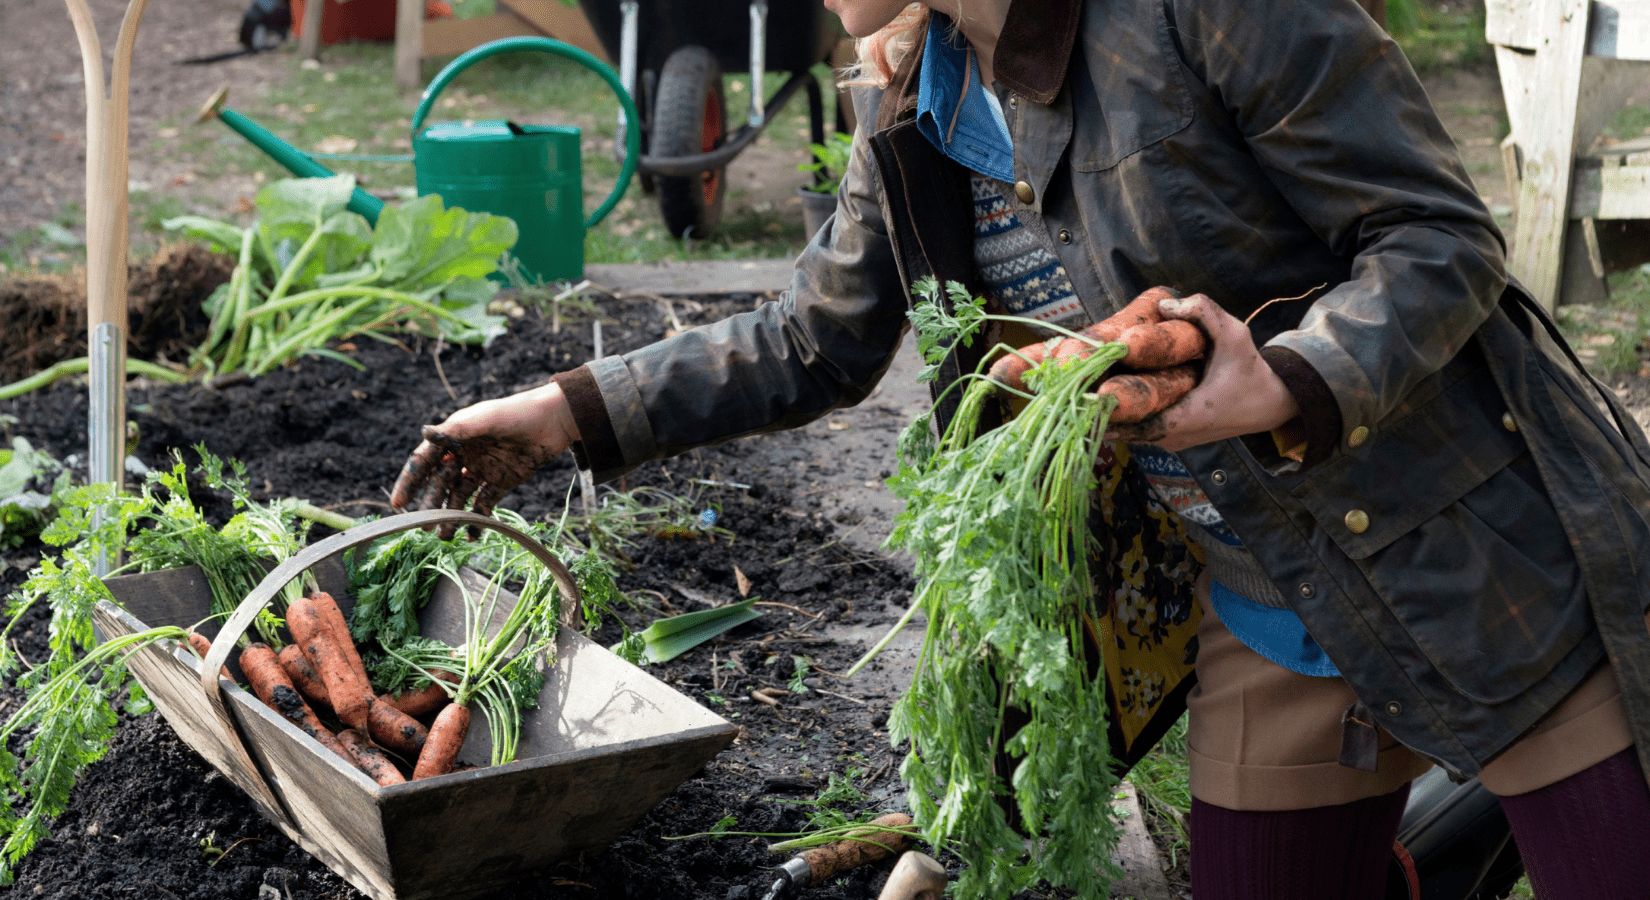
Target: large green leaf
x=422, y=244
x=220, y=236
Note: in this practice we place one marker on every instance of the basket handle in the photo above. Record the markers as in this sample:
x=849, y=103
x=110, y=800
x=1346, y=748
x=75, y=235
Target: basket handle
x=633, y=119
x=301, y=561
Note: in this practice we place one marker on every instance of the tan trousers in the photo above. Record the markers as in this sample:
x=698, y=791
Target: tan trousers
x=1265, y=738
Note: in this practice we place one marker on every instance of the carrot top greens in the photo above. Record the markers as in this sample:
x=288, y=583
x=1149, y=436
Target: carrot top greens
x=999, y=525
x=69, y=713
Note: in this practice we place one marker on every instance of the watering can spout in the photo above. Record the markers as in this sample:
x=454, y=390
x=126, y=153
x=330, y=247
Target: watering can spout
x=295, y=160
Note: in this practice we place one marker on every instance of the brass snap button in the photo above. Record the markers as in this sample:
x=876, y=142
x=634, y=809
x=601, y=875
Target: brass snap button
x=1065, y=236
x=1308, y=591
x=1023, y=191
x=1358, y=436
x=1357, y=521
x=1394, y=708
x=1013, y=102
x=1508, y=422
x=1218, y=476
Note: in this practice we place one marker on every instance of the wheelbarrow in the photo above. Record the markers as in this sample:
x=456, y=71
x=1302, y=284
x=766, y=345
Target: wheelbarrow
x=672, y=57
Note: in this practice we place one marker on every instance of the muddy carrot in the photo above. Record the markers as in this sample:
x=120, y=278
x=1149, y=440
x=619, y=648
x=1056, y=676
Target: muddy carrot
x=395, y=729
x=303, y=675
x=334, y=619
x=202, y=645
x=1142, y=395
x=370, y=759
x=441, y=748
x=1169, y=343
x=1142, y=310
x=1010, y=370
x=423, y=701
x=269, y=682
x=350, y=692
x=865, y=845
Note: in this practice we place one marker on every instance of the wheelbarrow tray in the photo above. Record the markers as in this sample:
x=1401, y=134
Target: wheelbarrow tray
x=607, y=743
x=800, y=33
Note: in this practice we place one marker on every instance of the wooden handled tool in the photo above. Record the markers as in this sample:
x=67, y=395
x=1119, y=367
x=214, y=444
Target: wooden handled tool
x=917, y=876
x=816, y=864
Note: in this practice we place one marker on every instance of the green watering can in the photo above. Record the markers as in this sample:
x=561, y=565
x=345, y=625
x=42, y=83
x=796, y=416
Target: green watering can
x=531, y=173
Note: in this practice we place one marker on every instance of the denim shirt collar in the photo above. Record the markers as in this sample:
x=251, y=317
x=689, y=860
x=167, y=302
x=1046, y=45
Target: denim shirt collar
x=980, y=138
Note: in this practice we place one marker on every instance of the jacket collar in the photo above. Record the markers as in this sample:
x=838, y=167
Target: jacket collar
x=1035, y=47
x=1032, y=55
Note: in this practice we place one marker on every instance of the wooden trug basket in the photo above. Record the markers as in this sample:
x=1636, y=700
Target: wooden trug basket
x=606, y=744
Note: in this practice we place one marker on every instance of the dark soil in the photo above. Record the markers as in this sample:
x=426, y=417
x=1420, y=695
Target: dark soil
x=150, y=819
x=46, y=316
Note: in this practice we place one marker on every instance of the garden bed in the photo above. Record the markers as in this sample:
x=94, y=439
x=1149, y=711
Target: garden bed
x=152, y=819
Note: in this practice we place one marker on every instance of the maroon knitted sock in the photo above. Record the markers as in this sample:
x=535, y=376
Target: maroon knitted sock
x=1305, y=854
x=1587, y=837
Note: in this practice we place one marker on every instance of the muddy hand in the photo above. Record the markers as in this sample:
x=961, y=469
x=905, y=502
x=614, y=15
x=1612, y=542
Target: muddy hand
x=483, y=451
x=1237, y=393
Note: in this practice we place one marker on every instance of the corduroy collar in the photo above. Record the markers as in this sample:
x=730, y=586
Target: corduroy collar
x=1035, y=47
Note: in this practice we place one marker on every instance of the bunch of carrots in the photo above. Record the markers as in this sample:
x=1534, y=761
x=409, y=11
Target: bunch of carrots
x=322, y=667
x=1161, y=365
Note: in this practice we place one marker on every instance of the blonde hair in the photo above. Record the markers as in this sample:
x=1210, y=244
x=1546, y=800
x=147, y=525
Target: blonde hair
x=881, y=53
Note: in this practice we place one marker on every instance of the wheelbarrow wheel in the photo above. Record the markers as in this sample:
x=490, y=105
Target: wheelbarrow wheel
x=689, y=118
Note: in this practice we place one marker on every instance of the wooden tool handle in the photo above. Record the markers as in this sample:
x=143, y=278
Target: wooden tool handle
x=917, y=876
x=867, y=845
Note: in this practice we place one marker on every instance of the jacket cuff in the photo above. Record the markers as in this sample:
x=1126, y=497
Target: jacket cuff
x=1320, y=418
x=597, y=448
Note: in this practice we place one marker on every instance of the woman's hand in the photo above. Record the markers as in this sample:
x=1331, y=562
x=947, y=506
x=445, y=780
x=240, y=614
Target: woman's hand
x=480, y=452
x=1239, y=393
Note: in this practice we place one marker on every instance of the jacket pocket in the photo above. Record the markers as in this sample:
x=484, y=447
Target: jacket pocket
x=1448, y=519
x=1130, y=92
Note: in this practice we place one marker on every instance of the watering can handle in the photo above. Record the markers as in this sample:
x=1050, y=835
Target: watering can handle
x=633, y=127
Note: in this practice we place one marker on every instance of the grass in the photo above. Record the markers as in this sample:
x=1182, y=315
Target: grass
x=1612, y=339
x=349, y=100
x=1440, y=35
x=1632, y=122
x=1162, y=782
x=51, y=246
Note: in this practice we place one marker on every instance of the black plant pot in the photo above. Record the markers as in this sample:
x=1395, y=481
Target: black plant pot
x=816, y=208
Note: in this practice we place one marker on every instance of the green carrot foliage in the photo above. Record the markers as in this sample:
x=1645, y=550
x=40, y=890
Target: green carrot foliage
x=999, y=526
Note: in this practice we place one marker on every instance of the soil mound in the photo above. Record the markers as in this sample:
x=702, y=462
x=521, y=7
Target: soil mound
x=45, y=315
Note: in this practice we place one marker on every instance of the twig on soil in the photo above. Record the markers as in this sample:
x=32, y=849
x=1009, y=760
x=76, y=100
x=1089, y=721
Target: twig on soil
x=715, y=672
x=877, y=773
x=435, y=353
x=797, y=609
x=839, y=696
x=230, y=849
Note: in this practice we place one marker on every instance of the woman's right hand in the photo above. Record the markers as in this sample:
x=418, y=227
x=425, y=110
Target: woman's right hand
x=480, y=452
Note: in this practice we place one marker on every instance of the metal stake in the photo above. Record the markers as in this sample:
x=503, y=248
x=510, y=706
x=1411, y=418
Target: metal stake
x=759, y=60
x=106, y=425
x=629, y=12
x=587, y=484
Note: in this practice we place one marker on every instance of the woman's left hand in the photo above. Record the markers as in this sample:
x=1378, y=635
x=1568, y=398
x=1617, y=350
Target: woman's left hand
x=1239, y=393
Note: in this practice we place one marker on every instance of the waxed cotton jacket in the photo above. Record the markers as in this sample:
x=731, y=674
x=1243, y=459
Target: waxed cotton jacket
x=1467, y=538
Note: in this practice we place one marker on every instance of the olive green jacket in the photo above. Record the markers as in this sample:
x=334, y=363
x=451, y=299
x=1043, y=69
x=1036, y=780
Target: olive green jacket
x=1468, y=536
